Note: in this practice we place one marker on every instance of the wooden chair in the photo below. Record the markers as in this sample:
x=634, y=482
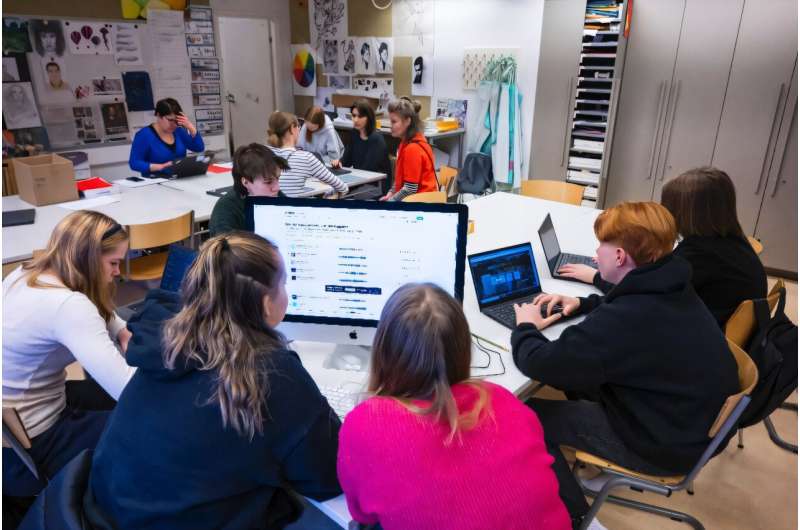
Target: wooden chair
x=151, y=235
x=758, y=248
x=428, y=196
x=445, y=176
x=553, y=190
x=740, y=328
x=15, y=437
x=622, y=477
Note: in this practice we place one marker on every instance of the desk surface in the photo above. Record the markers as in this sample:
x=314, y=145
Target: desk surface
x=147, y=204
x=430, y=135
x=501, y=219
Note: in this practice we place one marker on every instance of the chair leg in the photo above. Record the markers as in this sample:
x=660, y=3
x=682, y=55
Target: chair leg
x=690, y=489
x=775, y=437
x=658, y=510
x=740, y=445
x=788, y=406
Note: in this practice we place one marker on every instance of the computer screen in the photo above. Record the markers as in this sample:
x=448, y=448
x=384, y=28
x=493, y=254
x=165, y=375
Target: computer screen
x=344, y=259
x=504, y=274
x=547, y=233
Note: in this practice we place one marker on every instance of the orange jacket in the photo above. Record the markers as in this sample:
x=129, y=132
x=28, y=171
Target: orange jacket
x=415, y=165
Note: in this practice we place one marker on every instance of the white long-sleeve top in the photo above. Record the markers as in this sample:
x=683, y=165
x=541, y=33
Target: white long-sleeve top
x=44, y=330
x=304, y=165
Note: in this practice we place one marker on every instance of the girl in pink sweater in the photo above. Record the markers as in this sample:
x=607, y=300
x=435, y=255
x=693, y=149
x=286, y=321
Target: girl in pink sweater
x=433, y=449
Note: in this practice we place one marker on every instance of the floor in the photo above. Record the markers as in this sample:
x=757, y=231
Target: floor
x=754, y=488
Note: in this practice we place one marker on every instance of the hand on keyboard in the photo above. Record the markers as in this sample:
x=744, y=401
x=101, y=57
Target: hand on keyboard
x=584, y=273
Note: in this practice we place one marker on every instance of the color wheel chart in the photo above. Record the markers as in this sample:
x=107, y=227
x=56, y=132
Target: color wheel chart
x=304, y=68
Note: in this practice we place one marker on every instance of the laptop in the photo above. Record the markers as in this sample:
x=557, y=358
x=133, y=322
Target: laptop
x=220, y=192
x=552, y=251
x=19, y=217
x=179, y=259
x=502, y=278
x=338, y=171
x=191, y=166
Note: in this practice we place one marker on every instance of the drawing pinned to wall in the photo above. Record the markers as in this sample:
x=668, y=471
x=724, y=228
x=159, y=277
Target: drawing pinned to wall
x=340, y=82
x=422, y=75
x=384, y=54
x=365, y=63
x=138, y=91
x=128, y=44
x=347, y=56
x=115, y=119
x=85, y=124
x=412, y=27
x=327, y=20
x=139, y=8
x=452, y=108
x=379, y=87
x=330, y=56
x=304, y=70
x=10, y=70
x=15, y=36
x=47, y=37
x=324, y=99
x=107, y=86
x=89, y=38
x=19, y=109
x=56, y=90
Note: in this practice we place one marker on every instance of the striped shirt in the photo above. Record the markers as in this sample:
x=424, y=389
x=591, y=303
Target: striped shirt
x=304, y=165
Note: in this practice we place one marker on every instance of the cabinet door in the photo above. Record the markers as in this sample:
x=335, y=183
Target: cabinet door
x=649, y=61
x=562, y=34
x=757, y=90
x=708, y=38
x=776, y=227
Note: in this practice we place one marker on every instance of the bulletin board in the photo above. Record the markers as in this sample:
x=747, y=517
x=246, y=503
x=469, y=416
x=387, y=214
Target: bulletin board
x=100, y=86
x=363, y=20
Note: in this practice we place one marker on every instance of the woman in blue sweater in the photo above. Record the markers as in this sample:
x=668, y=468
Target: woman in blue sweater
x=166, y=139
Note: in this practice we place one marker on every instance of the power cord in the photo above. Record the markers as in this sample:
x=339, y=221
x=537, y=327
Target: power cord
x=477, y=340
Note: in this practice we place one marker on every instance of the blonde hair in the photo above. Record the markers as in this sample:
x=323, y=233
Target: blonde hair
x=74, y=255
x=421, y=348
x=646, y=230
x=279, y=124
x=406, y=107
x=222, y=324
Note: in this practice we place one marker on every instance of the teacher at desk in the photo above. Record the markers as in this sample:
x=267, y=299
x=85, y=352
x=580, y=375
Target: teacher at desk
x=166, y=139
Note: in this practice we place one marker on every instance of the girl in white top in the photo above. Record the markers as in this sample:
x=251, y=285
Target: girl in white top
x=318, y=136
x=58, y=308
x=283, y=134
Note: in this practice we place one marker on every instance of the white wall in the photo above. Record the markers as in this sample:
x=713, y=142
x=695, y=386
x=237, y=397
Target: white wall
x=463, y=24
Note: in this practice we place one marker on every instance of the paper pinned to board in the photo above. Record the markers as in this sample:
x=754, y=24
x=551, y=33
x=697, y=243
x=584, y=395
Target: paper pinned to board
x=87, y=204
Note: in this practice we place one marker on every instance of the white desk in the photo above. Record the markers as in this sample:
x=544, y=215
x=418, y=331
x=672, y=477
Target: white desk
x=501, y=219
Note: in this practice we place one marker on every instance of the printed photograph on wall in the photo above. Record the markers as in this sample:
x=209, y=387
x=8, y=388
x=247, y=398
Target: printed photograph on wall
x=383, y=48
x=340, y=81
x=89, y=38
x=452, y=108
x=365, y=63
x=107, y=86
x=304, y=70
x=330, y=56
x=422, y=75
x=56, y=90
x=327, y=20
x=347, y=56
x=115, y=120
x=15, y=36
x=19, y=107
x=47, y=37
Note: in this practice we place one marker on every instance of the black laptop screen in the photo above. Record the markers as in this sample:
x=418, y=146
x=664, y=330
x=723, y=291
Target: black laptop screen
x=547, y=233
x=504, y=274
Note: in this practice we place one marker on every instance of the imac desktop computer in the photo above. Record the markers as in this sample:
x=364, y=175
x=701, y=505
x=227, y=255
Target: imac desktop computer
x=344, y=259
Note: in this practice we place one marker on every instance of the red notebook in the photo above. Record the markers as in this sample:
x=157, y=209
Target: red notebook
x=93, y=187
x=213, y=168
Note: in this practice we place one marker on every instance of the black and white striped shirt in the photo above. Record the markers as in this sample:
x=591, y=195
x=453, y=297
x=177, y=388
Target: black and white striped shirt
x=304, y=165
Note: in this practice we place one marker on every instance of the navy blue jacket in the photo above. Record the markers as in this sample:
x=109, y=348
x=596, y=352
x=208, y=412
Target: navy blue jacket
x=165, y=460
x=652, y=354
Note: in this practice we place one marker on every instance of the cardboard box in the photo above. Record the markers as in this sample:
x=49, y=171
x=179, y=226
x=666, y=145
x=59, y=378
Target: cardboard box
x=45, y=179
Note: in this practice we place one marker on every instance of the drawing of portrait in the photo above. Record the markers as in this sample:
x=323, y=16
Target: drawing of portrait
x=347, y=49
x=47, y=37
x=330, y=56
x=328, y=21
x=19, y=109
x=418, y=66
x=365, y=64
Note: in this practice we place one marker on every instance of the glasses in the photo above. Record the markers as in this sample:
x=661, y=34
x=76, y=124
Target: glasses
x=173, y=121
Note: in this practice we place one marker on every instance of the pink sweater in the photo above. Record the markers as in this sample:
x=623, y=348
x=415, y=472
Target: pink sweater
x=395, y=468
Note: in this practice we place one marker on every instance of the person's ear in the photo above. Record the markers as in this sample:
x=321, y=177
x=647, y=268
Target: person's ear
x=620, y=257
x=266, y=303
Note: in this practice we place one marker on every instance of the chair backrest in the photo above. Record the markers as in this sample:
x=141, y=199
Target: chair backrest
x=742, y=323
x=15, y=437
x=553, y=190
x=161, y=233
x=748, y=377
x=446, y=174
x=428, y=196
x=758, y=248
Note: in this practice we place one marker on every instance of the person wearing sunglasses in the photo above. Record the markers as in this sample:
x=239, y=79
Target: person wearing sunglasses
x=166, y=139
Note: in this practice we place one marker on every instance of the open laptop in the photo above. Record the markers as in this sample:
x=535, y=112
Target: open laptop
x=502, y=278
x=552, y=251
x=19, y=217
x=191, y=166
x=179, y=259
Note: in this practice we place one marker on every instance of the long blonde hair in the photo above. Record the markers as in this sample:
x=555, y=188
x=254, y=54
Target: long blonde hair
x=222, y=324
x=74, y=255
x=279, y=124
x=421, y=348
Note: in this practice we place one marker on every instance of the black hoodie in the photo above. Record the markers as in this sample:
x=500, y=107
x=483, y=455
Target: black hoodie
x=165, y=460
x=652, y=353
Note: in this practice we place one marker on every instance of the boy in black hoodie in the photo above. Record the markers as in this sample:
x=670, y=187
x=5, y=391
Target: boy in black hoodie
x=646, y=371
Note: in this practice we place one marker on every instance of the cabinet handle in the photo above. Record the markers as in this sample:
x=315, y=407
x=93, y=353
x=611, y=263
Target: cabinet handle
x=567, y=119
x=669, y=134
x=655, y=129
x=769, y=139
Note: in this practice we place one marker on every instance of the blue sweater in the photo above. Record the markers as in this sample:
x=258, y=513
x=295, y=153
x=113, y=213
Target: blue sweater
x=165, y=460
x=148, y=148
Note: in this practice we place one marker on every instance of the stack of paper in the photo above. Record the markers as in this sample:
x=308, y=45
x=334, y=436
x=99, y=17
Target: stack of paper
x=586, y=178
x=582, y=162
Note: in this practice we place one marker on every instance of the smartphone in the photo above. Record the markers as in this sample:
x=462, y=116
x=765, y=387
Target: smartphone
x=135, y=179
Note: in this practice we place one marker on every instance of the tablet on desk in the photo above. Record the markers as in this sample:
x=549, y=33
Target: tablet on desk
x=19, y=217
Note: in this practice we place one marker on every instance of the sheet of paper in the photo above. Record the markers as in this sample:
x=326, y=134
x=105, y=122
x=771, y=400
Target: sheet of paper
x=87, y=204
x=138, y=184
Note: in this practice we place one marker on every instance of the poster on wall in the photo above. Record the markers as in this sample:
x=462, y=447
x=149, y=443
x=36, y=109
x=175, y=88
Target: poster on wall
x=378, y=87
x=347, y=56
x=128, y=44
x=107, y=86
x=330, y=56
x=89, y=38
x=85, y=124
x=412, y=27
x=115, y=119
x=19, y=108
x=56, y=91
x=199, y=26
x=452, y=108
x=15, y=68
x=15, y=36
x=422, y=75
x=340, y=82
x=304, y=70
x=47, y=38
x=383, y=48
x=138, y=91
x=365, y=63
x=327, y=20
x=206, y=99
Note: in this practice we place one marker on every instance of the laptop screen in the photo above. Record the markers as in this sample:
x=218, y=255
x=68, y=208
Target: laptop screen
x=547, y=233
x=179, y=260
x=504, y=274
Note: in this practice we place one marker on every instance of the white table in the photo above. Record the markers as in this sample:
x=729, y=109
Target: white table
x=146, y=204
x=501, y=219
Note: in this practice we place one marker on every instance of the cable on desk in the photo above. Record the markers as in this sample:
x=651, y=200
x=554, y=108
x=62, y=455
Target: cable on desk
x=488, y=351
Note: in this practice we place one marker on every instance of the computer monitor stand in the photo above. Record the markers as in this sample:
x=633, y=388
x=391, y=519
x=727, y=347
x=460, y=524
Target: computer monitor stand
x=349, y=357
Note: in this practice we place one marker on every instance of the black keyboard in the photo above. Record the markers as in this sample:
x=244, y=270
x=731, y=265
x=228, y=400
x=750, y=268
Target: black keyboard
x=574, y=258
x=339, y=171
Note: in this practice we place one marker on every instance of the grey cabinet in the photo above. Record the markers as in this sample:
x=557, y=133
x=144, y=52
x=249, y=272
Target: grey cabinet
x=559, y=54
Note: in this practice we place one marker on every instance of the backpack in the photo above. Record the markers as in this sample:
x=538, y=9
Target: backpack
x=774, y=351
x=476, y=175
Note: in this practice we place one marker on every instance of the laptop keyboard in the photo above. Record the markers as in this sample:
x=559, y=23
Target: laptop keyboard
x=574, y=258
x=505, y=312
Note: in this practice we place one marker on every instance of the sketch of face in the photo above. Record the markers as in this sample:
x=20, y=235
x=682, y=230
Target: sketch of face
x=54, y=75
x=17, y=94
x=330, y=55
x=49, y=41
x=417, y=73
x=384, y=55
x=365, y=55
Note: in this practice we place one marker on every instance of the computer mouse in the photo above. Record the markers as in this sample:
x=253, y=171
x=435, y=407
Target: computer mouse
x=351, y=362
